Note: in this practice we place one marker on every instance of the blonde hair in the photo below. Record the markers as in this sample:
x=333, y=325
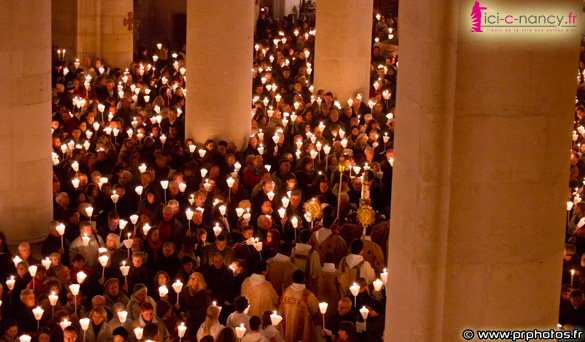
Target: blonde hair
x=116, y=239
x=101, y=311
x=201, y=284
x=212, y=315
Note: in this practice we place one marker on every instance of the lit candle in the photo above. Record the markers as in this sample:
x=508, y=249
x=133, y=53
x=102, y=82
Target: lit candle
x=177, y=286
x=378, y=285
x=181, y=329
x=46, y=263
x=85, y=239
x=384, y=276
x=323, y=308
x=572, y=275
x=354, y=289
x=163, y=291
x=80, y=277
x=217, y=229
x=145, y=229
x=53, y=298
x=275, y=318
x=10, y=283
x=24, y=338
x=32, y=270
x=138, y=333
x=122, y=315
x=241, y=330
x=64, y=324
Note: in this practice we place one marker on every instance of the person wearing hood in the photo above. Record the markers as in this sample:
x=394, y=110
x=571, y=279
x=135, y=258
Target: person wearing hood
x=299, y=309
x=259, y=291
x=354, y=266
x=138, y=298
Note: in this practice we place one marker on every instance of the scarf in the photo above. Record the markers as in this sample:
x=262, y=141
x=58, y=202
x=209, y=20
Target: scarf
x=155, y=246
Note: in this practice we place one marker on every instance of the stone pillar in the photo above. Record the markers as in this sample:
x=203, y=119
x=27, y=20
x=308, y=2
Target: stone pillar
x=88, y=29
x=63, y=22
x=116, y=39
x=26, y=201
x=219, y=85
x=342, y=47
x=481, y=172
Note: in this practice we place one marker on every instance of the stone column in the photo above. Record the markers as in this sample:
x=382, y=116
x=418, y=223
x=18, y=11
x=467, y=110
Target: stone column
x=219, y=83
x=26, y=201
x=481, y=173
x=342, y=47
x=88, y=29
x=116, y=39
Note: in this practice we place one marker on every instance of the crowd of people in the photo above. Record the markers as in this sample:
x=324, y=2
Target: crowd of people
x=153, y=234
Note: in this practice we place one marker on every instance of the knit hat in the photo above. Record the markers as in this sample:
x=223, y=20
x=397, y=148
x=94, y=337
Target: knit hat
x=162, y=307
x=70, y=85
x=138, y=288
x=110, y=282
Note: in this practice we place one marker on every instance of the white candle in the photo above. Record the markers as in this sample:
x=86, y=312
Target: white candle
x=240, y=331
x=32, y=270
x=65, y=323
x=53, y=298
x=163, y=291
x=46, y=263
x=24, y=338
x=138, y=333
x=181, y=329
x=81, y=277
x=84, y=323
x=384, y=276
x=10, y=283
x=378, y=284
x=85, y=239
x=275, y=318
x=122, y=315
x=74, y=289
x=38, y=312
x=217, y=229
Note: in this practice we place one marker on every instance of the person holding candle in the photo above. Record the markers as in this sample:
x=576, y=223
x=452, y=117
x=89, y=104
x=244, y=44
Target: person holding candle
x=304, y=257
x=375, y=322
x=344, y=313
x=220, y=281
x=24, y=313
x=89, y=249
x=280, y=269
x=211, y=325
x=137, y=300
x=139, y=272
x=38, y=280
x=154, y=328
x=194, y=300
x=260, y=292
x=169, y=260
x=299, y=309
x=10, y=330
x=98, y=330
x=119, y=310
x=254, y=334
x=245, y=249
x=220, y=246
x=354, y=266
x=25, y=254
x=53, y=242
x=111, y=226
x=324, y=240
x=239, y=317
x=112, y=293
